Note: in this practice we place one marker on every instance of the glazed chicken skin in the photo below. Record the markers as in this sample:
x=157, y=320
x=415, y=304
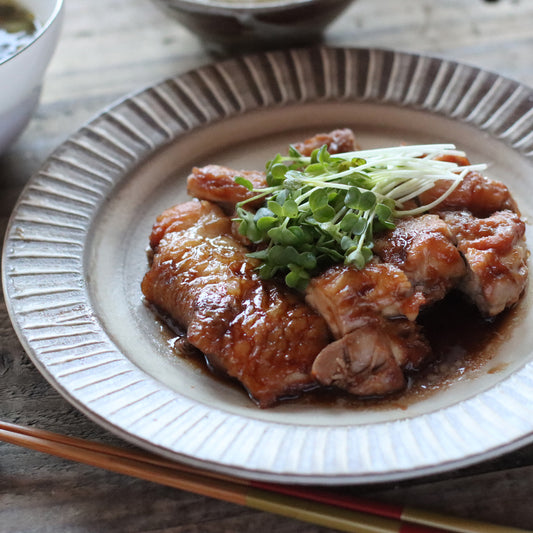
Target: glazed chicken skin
x=485, y=223
x=476, y=193
x=423, y=248
x=217, y=184
x=371, y=313
x=256, y=331
x=495, y=252
x=336, y=141
x=346, y=297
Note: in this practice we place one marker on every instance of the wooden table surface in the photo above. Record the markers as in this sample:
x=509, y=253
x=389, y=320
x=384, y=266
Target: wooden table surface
x=109, y=48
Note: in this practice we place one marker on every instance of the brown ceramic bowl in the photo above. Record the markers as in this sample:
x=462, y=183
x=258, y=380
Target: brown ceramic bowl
x=248, y=24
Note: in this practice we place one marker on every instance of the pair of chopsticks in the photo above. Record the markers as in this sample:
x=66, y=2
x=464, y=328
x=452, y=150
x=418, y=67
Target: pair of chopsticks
x=322, y=507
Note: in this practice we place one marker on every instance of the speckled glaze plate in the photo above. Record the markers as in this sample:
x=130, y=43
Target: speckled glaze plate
x=75, y=255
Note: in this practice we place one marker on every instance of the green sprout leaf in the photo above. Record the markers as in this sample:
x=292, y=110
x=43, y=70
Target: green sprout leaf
x=319, y=198
x=244, y=182
x=290, y=208
x=324, y=214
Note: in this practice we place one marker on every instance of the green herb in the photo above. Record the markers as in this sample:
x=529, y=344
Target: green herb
x=15, y=18
x=325, y=208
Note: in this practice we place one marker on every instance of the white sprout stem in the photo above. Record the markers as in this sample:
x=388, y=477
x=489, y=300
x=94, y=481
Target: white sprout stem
x=400, y=200
x=368, y=216
x=407, y=190
x=469, y=168
x=385, y=188
x=394, y=160
x=324, y=183
x=435, y=202
x=417, y=150
x=340, y=214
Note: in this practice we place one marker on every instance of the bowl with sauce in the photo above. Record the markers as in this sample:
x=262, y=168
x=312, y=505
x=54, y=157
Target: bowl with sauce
x=29, y=30
x=241, y=25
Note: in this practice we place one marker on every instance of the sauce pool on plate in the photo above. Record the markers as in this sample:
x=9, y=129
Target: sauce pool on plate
x=462, y=341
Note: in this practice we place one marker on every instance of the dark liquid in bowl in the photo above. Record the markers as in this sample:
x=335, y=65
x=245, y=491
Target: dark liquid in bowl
x=17, y=28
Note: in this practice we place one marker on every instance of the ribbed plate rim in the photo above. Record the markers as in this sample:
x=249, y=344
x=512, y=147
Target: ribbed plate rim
x=492, y=103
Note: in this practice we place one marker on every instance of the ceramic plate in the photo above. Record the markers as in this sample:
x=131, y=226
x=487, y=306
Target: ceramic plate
x=75, y=254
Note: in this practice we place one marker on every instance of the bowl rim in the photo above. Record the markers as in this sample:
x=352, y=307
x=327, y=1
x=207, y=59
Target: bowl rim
x=58, y=6
x=239, y=6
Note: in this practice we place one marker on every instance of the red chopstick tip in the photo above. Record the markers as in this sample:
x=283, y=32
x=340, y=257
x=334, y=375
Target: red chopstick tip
x=334, y=497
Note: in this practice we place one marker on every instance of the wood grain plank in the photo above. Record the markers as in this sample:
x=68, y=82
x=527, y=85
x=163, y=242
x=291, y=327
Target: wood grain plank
x=112, y=47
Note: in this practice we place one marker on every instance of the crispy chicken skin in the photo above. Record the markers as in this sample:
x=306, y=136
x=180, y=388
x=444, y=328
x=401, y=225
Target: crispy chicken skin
x=423, y=247
x=258, y=332
x=495, y=251
x=371, y=313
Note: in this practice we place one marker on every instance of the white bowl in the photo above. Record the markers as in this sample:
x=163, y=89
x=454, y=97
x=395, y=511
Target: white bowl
x=21, y=74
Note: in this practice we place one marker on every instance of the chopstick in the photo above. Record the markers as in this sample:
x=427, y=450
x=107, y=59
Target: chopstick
x=155, y=470
x=318, y=506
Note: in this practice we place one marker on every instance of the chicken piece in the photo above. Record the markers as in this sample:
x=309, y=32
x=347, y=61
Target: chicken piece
x=372, y=350
x=424, y=248
x=182, y=216
x=495, y=251
x=217, y=183
x=347, y=297
x=480, y=195
x=260, y=333
x=337, y=141
x=370, y=361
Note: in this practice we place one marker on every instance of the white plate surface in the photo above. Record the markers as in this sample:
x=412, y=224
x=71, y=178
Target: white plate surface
x=74, y=257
